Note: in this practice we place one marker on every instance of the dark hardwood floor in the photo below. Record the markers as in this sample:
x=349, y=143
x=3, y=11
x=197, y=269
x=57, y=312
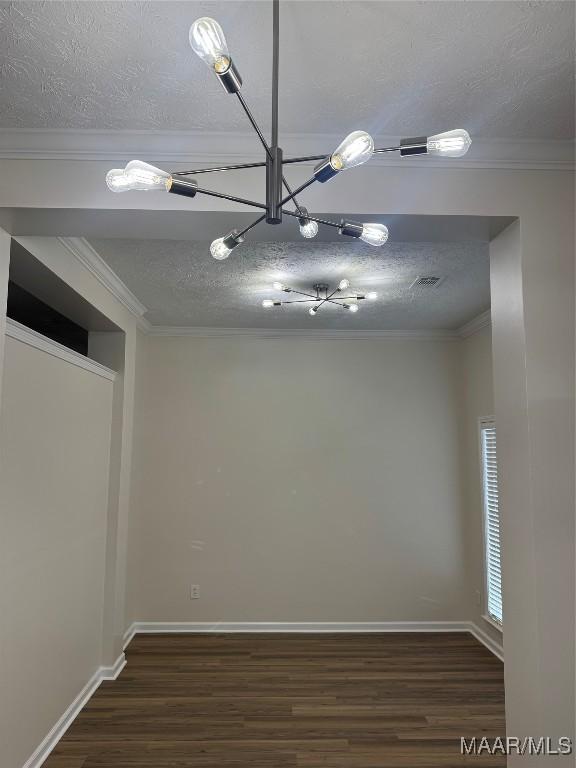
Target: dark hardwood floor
x=270, y=701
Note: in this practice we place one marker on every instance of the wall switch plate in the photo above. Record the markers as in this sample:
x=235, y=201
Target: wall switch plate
x=194, y=591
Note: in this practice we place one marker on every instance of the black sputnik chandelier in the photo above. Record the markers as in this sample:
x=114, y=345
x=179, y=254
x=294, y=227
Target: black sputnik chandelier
x=322, y=296
x=208, y=42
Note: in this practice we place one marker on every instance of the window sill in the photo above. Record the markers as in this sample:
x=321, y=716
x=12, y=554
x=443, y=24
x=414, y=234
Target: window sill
x=492, y=622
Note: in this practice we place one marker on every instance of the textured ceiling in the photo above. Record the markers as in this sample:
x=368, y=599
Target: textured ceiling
x=498, y=69
x=183, y=286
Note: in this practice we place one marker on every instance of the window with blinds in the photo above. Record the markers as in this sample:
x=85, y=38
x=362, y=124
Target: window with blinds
x=491, y=520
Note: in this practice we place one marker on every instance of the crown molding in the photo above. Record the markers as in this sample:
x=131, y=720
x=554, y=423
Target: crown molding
x=16, y=330
x=212, y=147
x=475, y=325
x=316, y=334
x=83, y=251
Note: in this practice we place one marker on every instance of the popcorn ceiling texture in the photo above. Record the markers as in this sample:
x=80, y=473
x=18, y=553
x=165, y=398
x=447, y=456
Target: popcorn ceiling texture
x=182, y=285
x=500, y=69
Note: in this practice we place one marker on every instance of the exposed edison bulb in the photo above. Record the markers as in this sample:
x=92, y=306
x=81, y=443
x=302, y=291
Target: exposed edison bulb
x=138, y=176
x=353, y=308
x=343, y=284
x=219, y=250
x=222, y=247
x=450, y=144
x=309, y=229
x=278, y=286
x=374, y=234
x=117, y=180
x=208, y=42
x=356, y=149
x=312, y=311
x=372, y=295
x=145, y=177
x=267, y=303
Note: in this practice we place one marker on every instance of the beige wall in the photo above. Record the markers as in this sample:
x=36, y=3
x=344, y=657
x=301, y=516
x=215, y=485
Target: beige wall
x=320, y=478
x=71, y=644
x=54, y=464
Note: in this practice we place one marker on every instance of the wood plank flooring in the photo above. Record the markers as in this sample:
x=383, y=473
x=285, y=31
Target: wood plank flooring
x=277, y=701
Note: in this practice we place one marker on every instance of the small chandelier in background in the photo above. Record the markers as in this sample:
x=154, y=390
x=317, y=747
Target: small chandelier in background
x=208, y=42
x=322, y=296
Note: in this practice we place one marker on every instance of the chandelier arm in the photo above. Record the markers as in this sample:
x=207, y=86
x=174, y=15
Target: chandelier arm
x=264, y=143
x=218, y=168
x=381, y=150
x=251, y=226
x=312, y=297
x=307, y=158
x=300, y=301
x=255, y=125
x=292, y=195
x=210, y=192
x=312, y=218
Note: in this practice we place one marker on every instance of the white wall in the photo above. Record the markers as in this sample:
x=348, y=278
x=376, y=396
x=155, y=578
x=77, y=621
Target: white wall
x=54, y=464
x=53, y=645
x=322, y=478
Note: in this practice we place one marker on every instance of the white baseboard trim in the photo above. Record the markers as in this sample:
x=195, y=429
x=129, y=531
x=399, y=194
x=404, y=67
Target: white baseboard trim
x=484, y=638
x=128, y=635
x=41, y=753
x=158, y=627
x=195, y=627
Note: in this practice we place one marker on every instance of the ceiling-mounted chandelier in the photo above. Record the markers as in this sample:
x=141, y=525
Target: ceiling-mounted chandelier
x=208, y=42
x=323, y=295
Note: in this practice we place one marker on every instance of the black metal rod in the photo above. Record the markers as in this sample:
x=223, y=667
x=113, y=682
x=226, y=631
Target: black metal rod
x=254, y=204
x=300, y=301
x=302, y=293
x=254, y=123
x=304, y=159
x=311, y=218
x=275, y=68
x=292, y=195
x=396, y=149
x=264, y=142
x=218, y=168
x=251, y=226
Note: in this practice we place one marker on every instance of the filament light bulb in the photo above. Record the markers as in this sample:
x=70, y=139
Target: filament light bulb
x=343, y=284
x=208, y=42
x=450, y=144
x=267, y=303
x=219, y=250
x=312, y=311
x=278, y=286
x=223, y=246
x=309, y=229
x=145, y=177
x=356, y=149
x=374, y=234
x=353, y=307
x=117, y=180
x=138, y=176
x=372, y=295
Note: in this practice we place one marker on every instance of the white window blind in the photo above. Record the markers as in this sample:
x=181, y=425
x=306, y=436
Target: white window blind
x=491, y=520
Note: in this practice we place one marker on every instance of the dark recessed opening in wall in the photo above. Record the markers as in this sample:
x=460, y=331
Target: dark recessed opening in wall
x=35, y=314
x=43, y=302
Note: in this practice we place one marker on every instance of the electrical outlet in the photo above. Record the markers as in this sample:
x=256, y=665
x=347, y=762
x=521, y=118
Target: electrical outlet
x=194, y=591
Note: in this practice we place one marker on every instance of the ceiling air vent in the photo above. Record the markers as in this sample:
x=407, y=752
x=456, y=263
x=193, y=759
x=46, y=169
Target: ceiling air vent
x=428, y=281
